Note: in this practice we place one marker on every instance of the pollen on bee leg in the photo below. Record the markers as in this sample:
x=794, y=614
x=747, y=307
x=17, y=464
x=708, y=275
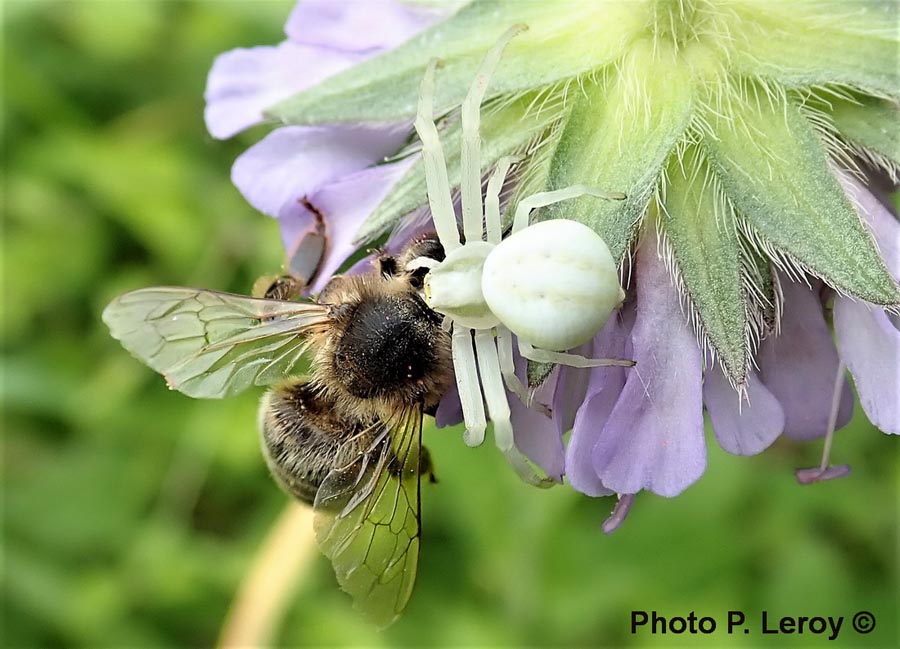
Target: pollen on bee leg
x=618, y=514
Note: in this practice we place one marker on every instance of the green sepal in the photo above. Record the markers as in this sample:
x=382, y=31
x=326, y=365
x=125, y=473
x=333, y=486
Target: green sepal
x=617, y=138
x=871, y=123
x=759, y=280
x=702, y=232
x=802, y=44
x=511, y=128
x=776, y=173
x=536, y=373
x=386, y=88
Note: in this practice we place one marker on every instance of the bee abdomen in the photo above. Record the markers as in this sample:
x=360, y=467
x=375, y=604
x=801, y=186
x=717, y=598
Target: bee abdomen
x=303, y=437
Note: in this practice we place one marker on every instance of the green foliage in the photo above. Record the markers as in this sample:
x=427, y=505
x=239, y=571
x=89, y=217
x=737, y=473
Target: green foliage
x=511, y=128
x=870, y=123
x=131, y=513
x=357, y=94
x=833, y=43
x=704, y=240
x=782, y=184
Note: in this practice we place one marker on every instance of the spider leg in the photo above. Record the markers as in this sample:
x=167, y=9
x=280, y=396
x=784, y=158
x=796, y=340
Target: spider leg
x=492, y=198
x=492, y=385
x=470, y=117
x=498, y=407
x=508, y=370
x=468, y=386
x=572, y=360
x=435, y=166
x=542, y=199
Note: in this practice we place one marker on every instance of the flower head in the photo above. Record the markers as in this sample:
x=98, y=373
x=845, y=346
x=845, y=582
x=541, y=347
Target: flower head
x=299, y=174
x=741, y=133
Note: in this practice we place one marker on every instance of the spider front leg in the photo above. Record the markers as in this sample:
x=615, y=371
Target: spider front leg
x=492, y=198
x=498, y=408
x=468, y=386
x=542, y=199
x=492, y=386
x=470, y=120
x=439, y=198
x=572, y=360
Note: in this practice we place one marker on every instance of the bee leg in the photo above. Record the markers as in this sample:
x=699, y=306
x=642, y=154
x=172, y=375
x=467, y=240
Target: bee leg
x=426, y=465
x=572, y=360
x=498, y=407
x=278, y=287
x=467, y=383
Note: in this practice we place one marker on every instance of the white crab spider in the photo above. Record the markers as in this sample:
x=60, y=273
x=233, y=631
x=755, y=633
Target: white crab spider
x=553, y=284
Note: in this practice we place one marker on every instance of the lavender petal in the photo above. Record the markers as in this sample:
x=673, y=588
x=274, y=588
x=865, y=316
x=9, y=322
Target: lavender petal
x=743, y=426
x=449, y=410
x=244, y=82
x=534, y=433
x=345, y=205
x=799, y=366
x=292, y=162
x=870, y=346
x=884, y=225
x=654, y=436
x=410, y=227
x=604, y=387
x=571, y=390
x=364, y=26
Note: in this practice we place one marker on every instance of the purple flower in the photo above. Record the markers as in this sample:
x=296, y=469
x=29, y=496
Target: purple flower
x=298, y=171
x=646, y=431
x=736, y=318
x=643, y=428
x=868, y=337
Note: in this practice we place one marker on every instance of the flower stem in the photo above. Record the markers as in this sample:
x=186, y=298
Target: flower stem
x=824, y=471
x=832, y=417
x=265, y=592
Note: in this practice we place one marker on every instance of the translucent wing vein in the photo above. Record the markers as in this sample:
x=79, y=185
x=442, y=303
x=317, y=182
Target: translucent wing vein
x=368, y=521
x=209, y=344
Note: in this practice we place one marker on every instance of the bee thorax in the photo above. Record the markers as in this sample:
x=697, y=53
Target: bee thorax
x=390, y=348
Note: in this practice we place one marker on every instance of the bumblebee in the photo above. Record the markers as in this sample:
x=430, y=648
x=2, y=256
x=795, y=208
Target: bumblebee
x=347, y=438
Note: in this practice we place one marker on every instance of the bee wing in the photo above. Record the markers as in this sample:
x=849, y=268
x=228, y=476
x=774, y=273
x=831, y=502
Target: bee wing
x=368, y=521
x=209, y=344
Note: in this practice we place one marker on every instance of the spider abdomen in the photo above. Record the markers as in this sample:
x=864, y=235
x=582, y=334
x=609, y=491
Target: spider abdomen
x=553, y=284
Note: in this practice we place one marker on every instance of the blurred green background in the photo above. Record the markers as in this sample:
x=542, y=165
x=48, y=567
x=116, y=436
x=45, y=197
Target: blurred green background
x=131, y=514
